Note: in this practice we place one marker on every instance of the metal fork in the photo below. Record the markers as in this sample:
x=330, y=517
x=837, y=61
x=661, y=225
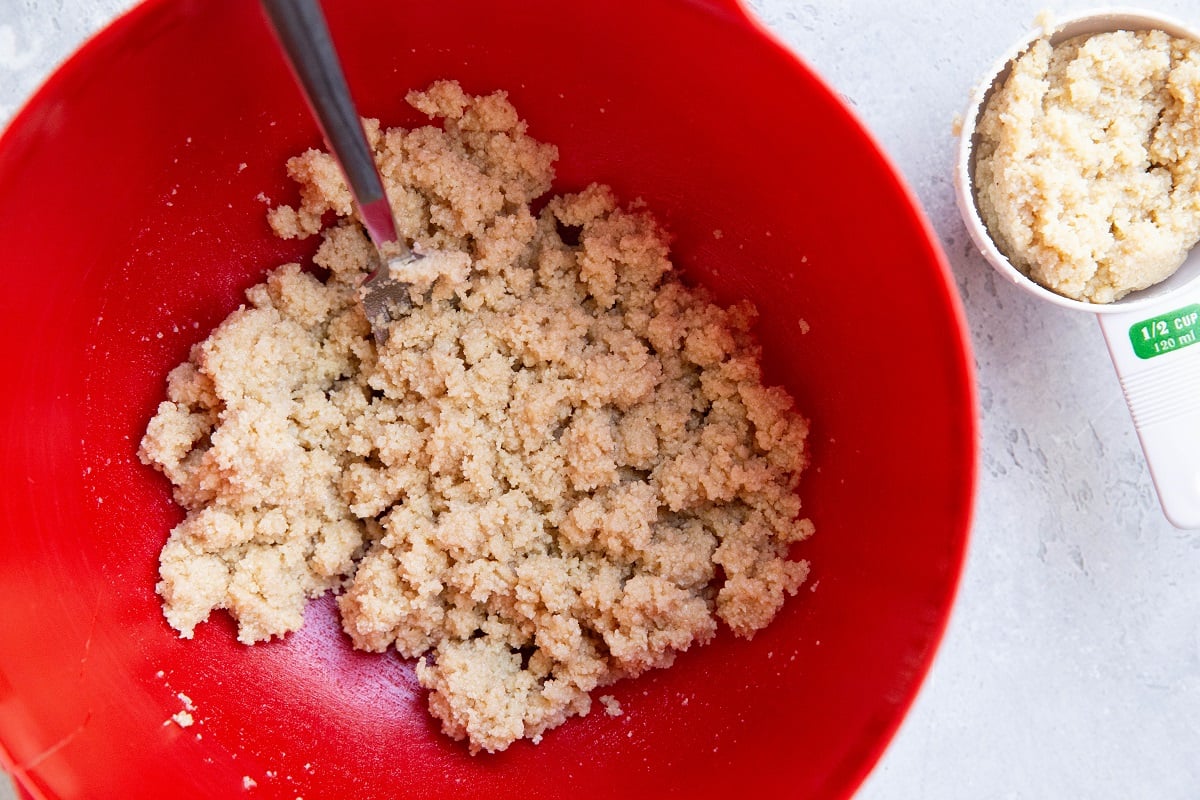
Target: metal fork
x=304, y=35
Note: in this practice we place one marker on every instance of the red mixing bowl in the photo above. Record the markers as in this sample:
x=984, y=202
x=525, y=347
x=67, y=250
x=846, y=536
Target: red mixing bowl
x=131, y=221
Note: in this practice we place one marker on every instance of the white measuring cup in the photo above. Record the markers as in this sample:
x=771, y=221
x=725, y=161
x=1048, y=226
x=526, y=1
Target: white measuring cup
x=1149, y=333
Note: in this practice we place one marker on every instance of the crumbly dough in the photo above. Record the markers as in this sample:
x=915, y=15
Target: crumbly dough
x=561, y=469
x=1087, y=170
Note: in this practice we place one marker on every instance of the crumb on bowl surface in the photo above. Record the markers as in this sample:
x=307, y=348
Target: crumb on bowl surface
x=560, y=470
x=1087, y=162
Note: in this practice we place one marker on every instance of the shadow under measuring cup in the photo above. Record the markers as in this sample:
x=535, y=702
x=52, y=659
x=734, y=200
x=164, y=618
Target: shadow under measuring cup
x=1149, y=333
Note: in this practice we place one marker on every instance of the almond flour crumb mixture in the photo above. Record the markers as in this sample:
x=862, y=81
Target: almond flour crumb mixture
x=560, y=470
x=1087, y=170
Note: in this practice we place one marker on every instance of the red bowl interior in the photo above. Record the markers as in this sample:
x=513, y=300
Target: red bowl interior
x=131, y=221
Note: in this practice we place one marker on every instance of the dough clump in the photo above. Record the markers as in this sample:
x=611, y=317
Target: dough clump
x=560, y=470
x=1087, y=166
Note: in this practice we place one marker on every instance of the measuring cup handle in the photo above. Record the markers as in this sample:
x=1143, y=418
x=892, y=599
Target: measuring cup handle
x=1156, y=354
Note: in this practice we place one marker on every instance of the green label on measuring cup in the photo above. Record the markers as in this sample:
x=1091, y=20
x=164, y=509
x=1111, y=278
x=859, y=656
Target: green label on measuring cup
x=1166, y=332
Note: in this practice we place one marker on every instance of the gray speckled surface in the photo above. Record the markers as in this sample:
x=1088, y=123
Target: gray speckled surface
x=1072, y=664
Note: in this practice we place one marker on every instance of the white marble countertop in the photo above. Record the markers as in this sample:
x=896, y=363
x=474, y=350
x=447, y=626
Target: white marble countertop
x=1072, y=663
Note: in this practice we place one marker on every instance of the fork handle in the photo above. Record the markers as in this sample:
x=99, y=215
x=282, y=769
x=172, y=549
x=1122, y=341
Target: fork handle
x=304, y=35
